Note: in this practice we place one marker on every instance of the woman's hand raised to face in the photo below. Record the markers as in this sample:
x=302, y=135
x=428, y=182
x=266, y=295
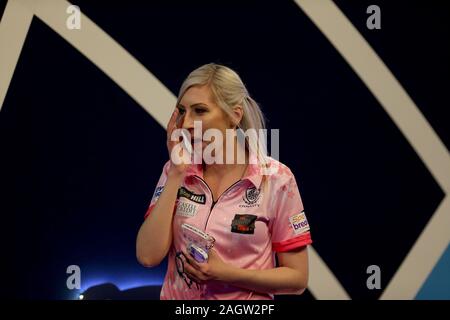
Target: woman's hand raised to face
x=179, y=156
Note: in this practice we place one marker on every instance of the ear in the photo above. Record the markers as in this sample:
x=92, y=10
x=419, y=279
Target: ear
x=237, y=114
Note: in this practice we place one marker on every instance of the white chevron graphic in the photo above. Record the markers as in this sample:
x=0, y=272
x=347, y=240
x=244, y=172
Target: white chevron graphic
x=364, y=61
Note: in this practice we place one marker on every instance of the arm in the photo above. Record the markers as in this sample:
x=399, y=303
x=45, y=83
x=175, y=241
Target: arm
x=290, y=278
x=155, y=235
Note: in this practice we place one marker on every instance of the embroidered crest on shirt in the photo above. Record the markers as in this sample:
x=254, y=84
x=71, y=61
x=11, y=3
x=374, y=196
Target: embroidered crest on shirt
x=251, y=197
x=185, y=193
x=243, y=223
x=299, y=223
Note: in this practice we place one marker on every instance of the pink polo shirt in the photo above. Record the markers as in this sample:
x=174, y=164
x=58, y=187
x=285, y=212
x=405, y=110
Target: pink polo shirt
x=250, y=223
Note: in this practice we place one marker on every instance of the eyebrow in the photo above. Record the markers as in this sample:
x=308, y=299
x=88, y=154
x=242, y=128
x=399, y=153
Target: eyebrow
x=194, y=105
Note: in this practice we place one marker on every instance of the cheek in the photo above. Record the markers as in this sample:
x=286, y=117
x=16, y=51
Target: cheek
x=217, y=122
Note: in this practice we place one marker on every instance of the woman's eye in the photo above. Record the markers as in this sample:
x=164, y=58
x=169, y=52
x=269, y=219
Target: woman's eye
x=200, y=111
x=181, y=110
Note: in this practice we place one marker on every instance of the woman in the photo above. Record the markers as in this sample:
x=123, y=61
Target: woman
x=252, y=215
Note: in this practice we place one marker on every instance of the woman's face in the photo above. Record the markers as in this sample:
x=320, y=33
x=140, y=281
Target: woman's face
x=197, y=105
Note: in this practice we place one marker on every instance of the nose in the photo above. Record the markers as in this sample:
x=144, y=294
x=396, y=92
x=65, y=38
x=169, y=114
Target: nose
x=187, y=122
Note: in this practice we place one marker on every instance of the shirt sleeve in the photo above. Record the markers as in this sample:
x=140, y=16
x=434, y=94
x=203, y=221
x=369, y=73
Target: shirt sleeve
x=290, y=228
x=159, y=189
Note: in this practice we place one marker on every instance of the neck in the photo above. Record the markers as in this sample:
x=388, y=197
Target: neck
x=217, y=168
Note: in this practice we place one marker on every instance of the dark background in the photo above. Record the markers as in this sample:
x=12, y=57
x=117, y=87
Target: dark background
x=80, y=158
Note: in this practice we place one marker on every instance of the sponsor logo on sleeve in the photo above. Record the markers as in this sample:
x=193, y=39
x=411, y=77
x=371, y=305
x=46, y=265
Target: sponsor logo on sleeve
x=157, y=192
x=299, y=223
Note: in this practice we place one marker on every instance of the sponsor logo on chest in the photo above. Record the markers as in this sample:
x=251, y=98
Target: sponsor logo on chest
x=243, y=223
x=185, y=193
x=186, y=209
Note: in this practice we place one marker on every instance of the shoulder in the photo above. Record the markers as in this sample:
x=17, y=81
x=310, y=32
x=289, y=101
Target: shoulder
x=278, y=173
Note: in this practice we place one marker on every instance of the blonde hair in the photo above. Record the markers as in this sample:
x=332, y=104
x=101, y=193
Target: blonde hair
x=228, y=90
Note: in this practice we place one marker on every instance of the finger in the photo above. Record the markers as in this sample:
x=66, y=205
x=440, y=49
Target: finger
x=192, y=261
x=194, y=279
x=192, y=273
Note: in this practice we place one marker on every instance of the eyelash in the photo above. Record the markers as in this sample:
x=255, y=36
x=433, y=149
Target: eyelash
x=199, y=111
